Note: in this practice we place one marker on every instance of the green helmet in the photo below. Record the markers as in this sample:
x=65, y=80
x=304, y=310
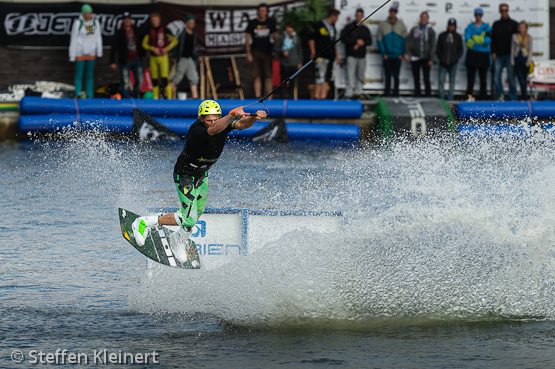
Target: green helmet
x=209, y=107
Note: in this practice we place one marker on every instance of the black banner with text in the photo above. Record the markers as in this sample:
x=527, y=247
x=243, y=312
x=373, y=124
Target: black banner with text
x=221, y=29
x=48, y=25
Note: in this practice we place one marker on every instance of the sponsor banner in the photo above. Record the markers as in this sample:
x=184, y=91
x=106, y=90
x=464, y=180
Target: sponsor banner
x=535, y=12
x=544, y=72
x=417, y=116
x=221, y=29
x=48, y=25
x=16, y=91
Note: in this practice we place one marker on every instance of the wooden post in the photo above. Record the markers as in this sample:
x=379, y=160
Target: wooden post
x=202, y=80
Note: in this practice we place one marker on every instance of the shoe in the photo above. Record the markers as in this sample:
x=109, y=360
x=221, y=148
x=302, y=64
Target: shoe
x=179, y=241
x=470, y=98
x=82, y=95
x=141, y=228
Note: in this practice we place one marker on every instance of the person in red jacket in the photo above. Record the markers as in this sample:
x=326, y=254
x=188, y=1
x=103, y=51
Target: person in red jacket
x=159, y=43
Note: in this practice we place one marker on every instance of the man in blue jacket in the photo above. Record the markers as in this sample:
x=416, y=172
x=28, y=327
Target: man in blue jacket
x=391, y=43
x=477, y=37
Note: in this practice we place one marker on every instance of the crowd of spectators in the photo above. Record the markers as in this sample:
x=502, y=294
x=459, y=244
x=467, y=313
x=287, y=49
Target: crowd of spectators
x=506, y=45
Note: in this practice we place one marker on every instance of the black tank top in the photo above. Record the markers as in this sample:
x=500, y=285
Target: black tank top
x=201, y=150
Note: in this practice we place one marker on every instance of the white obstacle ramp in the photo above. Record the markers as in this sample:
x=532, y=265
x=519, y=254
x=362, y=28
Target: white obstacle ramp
x=222, y=235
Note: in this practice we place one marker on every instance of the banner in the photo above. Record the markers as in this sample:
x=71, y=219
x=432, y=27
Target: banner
x=48, y=25
x=412, y=116
x=535, y=12
x=221, y=29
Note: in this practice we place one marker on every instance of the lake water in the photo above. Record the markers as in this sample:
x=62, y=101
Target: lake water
x=446, y=259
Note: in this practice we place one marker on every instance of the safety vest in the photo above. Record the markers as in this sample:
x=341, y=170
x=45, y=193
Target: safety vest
x=158, y=37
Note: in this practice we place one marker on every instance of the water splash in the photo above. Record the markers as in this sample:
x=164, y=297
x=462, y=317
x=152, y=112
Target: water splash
x=437, y=229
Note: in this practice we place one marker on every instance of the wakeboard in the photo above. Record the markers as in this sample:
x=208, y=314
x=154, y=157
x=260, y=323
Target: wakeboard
x=157, y=244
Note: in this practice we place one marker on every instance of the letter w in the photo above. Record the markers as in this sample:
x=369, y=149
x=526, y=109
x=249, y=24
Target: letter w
x=218, y=19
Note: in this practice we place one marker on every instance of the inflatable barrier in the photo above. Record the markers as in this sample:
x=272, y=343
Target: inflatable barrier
x=304, y=109
x=509, y=131
x=414, y=116
x=180, y=126
x=506, y=110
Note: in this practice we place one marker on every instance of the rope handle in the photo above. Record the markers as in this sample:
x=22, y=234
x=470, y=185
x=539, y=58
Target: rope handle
x=234, y=110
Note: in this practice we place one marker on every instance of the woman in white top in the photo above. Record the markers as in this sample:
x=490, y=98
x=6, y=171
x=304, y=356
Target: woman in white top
x=521, y=56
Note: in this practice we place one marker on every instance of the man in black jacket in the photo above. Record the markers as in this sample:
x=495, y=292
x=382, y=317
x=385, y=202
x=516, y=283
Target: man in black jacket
x=449, y=50
x=502, y=34
x=355, y=48
x=128, y=52
x=260, y=33
x=320, y=40
x=186, y=56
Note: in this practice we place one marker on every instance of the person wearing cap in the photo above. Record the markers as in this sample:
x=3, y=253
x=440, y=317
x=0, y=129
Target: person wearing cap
x=356, y=43
x=159, y=42
x=391, y=43
x=501, y=37
x=187, y=57
x=260, y=34
x=85, y=46
x=205, y=142
x=449, y=50
x=477, y=37
x=420, y=51
x=127, y=54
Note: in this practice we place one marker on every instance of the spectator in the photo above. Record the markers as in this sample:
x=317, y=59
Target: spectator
x=502, y=35
x=449, y=51
x=420, y=50
x=356, y=42
x=324, y=35
x=85, y=46
x=521, y=56
x=159, y=43
x=126, y=50
x=260, y=30
x=478, y=40
x=391, y=43
x=187, y=57
x=288, y=48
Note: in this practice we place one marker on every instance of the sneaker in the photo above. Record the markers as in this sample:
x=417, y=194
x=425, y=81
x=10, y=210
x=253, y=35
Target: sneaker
x=179, y=241
x=470, y=98
x=82, y=95
x=141, y=228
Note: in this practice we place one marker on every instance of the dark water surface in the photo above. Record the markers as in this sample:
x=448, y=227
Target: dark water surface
x=446, y=259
